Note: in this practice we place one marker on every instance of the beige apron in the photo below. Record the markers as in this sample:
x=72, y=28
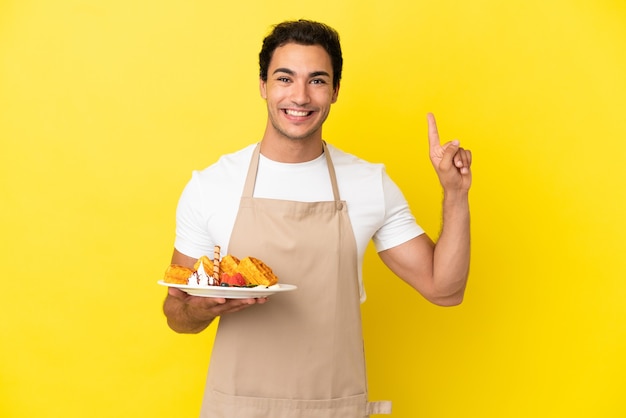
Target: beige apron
x=300, y=355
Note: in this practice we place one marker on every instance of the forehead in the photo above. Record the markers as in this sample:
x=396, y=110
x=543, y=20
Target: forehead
x=306, y=58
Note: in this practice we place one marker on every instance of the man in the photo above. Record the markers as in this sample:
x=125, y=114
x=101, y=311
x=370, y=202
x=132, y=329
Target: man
x=308, y=210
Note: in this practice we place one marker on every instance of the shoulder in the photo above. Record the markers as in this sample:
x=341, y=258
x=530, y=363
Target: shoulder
x=344, y=161
x=228, y=166
x=223, y=178
x=358, y=178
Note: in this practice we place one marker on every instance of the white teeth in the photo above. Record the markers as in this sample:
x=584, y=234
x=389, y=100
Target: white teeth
x=296, y=112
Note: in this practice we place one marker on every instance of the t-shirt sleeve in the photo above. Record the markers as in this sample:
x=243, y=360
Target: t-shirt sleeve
x=192, y=235
x=399, y=225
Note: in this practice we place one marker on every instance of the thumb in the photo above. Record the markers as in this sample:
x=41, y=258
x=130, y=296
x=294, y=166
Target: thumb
x=449, y=151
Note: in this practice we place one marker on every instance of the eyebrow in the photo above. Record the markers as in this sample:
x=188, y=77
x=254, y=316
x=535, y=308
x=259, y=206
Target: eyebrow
x=291, y=72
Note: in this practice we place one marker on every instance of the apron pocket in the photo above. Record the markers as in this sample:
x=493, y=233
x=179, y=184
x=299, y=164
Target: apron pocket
x=220, y=405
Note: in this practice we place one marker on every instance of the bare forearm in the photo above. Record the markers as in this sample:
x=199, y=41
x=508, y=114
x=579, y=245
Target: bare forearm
x=180, y=318
x=192, y=314
x=439, y=271
x=451, y=259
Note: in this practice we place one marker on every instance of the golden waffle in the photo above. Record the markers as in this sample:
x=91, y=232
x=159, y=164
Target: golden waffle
x=256, y=272
x=208, y=265
x=229, y=265
x=177, y=274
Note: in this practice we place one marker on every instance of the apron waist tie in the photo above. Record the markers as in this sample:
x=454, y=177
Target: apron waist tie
x=379, y=408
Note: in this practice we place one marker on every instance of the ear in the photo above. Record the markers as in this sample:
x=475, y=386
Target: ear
x=335, y=94
x=263, y=88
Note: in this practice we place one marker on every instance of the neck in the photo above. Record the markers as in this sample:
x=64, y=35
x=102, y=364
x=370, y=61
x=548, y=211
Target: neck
x=287, y=150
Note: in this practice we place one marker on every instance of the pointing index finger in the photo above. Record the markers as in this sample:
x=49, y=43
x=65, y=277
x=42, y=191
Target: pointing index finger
x=433, y=133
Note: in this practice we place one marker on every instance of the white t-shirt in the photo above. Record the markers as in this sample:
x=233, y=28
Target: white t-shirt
x=376, y=206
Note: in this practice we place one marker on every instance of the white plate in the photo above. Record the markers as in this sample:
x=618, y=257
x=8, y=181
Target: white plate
x=231, y=292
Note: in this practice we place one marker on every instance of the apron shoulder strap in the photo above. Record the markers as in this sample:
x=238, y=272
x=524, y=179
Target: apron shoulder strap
x=248, y=187
x=331, y=172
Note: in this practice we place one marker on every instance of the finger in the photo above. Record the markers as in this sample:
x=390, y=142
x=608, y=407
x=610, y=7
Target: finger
x=433, y=133
x=261, y=301
x=238, y=303
x=206, y=303
x=235, y=305
x=466, y=157
x=465, y=160
x=450, y=151
x=176, y=293
x=468, y=162
x=460, y=158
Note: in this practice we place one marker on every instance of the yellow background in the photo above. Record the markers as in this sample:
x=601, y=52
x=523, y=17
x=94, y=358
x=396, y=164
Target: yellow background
x=107, y=106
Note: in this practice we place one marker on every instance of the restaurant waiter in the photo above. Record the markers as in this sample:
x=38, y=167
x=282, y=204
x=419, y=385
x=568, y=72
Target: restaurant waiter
x=308, y=210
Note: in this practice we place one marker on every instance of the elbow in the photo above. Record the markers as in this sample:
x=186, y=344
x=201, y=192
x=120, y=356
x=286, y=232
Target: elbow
x=447, y=299
x=178, y=321
x=181, y=325
x=186, y=327
x=174, y=326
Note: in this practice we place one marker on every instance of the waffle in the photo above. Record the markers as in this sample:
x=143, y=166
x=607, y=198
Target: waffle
x=177, y=274
x=229, y=265
x=208, y=264
x=256, y=272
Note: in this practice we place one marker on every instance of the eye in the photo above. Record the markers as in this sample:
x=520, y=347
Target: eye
x=283, y=79
x=318, y=81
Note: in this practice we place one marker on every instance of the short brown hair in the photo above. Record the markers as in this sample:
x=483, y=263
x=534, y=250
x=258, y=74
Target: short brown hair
x=303, y=32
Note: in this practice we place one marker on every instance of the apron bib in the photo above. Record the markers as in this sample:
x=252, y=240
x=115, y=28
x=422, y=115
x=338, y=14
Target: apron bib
x=300, y=355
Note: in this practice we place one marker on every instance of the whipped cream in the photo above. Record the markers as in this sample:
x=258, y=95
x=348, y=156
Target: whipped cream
x=193, y=279
x=203, y=278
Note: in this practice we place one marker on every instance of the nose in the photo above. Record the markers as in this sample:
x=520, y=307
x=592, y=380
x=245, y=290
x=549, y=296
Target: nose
x=300, y=93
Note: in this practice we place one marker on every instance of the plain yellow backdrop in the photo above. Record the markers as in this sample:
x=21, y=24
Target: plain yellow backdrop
x=107, y=106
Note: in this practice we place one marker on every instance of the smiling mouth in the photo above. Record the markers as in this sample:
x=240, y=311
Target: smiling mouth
x=297, y=113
